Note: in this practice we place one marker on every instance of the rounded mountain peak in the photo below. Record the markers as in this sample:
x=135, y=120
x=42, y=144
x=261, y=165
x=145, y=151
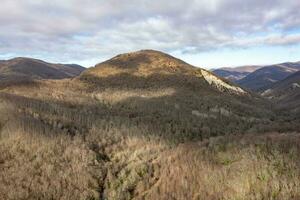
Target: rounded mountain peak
x=149, y=69
x=141, y=63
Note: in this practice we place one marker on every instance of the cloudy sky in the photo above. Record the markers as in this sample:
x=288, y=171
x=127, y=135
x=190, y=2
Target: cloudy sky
x=212, y=33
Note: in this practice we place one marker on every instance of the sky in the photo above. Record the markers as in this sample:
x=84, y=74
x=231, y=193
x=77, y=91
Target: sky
x=205, y=33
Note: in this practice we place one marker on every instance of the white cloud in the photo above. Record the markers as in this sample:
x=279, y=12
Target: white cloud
x=83, y=29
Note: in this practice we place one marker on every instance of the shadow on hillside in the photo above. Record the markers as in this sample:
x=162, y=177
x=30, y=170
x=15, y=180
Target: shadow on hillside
x=193, y=111
x=156, y=80
x=183, y=84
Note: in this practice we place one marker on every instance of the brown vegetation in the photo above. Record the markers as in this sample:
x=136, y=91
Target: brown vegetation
x=150, y=136
x=20, y=71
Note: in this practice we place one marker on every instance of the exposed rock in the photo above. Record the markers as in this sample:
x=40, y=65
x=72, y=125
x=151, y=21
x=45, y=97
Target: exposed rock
x=220, y=84
x=295, y=86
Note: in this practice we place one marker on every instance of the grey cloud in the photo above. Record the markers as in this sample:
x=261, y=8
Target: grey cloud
x=82, y=29
x=283, y=40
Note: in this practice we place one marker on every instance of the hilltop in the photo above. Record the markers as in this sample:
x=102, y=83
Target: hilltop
x=149, y=68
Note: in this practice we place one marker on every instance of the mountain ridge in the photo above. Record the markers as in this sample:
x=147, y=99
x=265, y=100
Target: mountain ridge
x=286, y=92
x=263, y=78
x=22, y=69
x=235, y=73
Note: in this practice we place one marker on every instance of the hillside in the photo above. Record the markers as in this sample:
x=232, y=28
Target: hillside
x=152, y=69
x=154, y=84
x=263, y=78
x=144, y=125
x=235, y=73
x=27, y=69
x=286, y=92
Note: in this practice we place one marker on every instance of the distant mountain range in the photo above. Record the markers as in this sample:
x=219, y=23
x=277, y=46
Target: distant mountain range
x=265, y=77
x=262, y=77
x=236, y=73
x=26, y=69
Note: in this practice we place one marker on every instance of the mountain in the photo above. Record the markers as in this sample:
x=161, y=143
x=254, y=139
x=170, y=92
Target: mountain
x=26, y=69
x=149, y=68
x=264, y=77
x=286, y=92
x=149, y=85
x=153, y=84
x=143, y=125
x=235, y=73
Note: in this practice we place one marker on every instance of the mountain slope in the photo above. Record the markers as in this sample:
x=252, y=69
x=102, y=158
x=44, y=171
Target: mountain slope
x=151, y=84
x=157, y=93
x=26, y=69
x=143, y=125
x=286, y=92
x=263, y=78
x=235, y=73
x=155, y=69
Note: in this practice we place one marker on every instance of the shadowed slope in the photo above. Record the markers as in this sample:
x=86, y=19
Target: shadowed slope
x=28, y=69
x=265, y=77
x=235, y=73
x=286, y=92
